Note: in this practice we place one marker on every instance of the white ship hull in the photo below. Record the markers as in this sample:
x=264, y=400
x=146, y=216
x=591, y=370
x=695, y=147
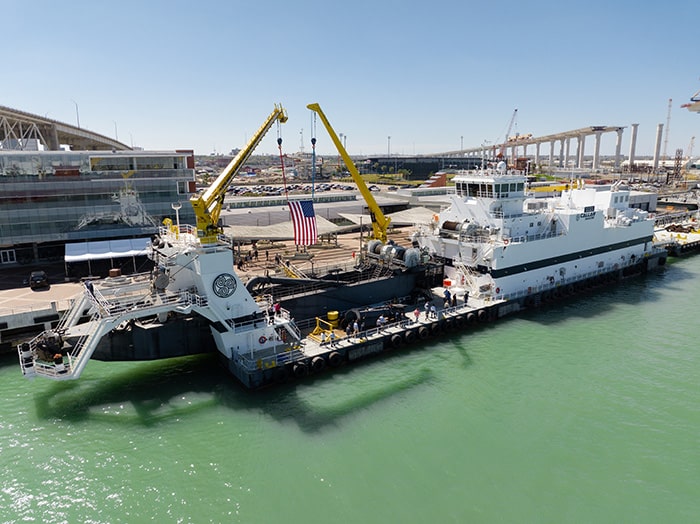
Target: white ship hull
x=496, y=241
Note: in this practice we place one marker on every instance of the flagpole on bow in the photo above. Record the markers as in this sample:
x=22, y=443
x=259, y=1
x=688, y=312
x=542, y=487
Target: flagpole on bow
x=279, y=146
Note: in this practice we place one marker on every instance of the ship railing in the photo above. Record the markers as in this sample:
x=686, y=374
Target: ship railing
x=518, y=239
x=292, y=327
x=187, y=234
x=81, y=352
x=72, y=316
x=474, y=239
x=174, y=229
x=61, y=367
x=144, y=302
x=539, y=236
x=264, y=302
x=282, y=355
x=323, y=269
x=282, y=317
x=670, y=218
x=303, y=289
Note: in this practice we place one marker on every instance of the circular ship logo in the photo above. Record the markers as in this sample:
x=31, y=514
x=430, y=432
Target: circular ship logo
x=224, y=285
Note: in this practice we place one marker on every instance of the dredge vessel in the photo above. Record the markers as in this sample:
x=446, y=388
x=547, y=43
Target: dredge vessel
x=194, y=302
x=495, y=247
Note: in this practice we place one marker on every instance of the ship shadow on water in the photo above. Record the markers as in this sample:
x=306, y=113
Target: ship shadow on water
x=154, y=390
x=151, y=393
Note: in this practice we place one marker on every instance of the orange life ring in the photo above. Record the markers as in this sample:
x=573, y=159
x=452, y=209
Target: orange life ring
x=498, y=290
x=262, y=339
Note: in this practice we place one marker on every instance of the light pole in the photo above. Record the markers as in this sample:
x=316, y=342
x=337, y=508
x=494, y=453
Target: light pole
x=77, y=114
x=116, y=136
x=461, y=143
x=339, y=159
x=388, y=146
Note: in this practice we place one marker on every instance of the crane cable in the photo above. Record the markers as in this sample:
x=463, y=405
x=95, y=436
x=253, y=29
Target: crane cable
x=313, y=154
x=279, y=146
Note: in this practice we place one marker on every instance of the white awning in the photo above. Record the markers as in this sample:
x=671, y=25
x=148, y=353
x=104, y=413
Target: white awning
x=104, y=249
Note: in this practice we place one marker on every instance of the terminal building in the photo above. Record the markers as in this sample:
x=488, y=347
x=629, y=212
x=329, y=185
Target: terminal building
x=54, y=204
x=73, y=195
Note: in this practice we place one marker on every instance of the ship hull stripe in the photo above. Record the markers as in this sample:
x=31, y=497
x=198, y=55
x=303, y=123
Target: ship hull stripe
x=539, y=264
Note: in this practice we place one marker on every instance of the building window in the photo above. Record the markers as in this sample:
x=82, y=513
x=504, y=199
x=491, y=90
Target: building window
x=7, y=256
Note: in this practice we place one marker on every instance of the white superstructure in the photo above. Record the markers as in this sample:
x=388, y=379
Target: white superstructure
x=190, y=278
x=499, y=242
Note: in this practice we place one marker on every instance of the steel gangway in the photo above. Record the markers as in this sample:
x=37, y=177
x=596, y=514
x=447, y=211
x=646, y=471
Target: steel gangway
x=63, y=353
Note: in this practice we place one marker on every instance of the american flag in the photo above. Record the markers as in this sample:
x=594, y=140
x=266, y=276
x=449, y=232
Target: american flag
x=304, y=222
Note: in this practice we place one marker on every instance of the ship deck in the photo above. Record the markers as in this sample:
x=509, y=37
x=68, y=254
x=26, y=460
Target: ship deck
x=26, y=310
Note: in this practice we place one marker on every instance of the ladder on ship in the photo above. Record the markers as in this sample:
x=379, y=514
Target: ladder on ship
x=377, y=271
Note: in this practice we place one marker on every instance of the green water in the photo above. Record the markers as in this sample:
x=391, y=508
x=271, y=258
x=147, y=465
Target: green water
x=584, y=412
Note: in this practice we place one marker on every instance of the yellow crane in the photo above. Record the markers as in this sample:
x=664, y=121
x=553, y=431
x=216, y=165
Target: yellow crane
x=207, y=204
x=380, y=223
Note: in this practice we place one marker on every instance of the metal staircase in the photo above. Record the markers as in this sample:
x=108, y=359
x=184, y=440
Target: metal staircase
x=63, y=353
x=469, y=275
x=292, y=271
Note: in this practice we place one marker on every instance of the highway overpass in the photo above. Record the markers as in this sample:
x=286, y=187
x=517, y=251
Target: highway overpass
x=20, y=130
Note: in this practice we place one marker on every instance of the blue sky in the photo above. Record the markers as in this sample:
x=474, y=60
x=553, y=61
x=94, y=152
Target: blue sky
x=204, y=75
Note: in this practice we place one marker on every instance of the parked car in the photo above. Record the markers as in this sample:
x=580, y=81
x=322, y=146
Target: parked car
x=38, y=279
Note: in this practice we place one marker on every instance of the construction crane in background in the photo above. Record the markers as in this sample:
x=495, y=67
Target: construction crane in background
x=502, y=151
x=668, y=127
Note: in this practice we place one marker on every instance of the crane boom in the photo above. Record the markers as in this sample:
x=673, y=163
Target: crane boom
x=380, y=223
x=207, y=204
x=502, y=152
